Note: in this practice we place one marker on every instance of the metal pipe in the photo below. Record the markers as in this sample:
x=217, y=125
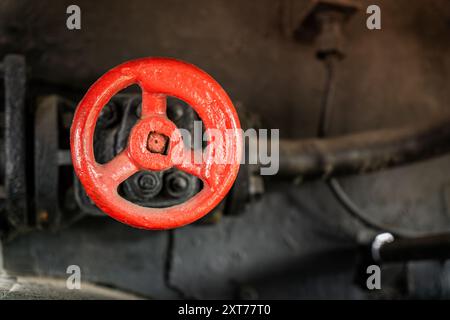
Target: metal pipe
x=423, y=248
x=364, y=152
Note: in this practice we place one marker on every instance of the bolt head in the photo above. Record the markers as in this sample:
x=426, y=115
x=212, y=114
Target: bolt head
x=157, y=143
x=179, y=184
x=147, y=182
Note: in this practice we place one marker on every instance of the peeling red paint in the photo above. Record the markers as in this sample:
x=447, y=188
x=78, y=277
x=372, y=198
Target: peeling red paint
x=158, y=78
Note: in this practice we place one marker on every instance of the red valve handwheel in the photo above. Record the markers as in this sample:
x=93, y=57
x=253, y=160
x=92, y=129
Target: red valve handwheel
x=158, y=78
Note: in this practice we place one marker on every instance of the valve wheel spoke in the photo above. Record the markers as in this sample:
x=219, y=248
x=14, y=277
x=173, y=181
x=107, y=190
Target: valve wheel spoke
x=194, y=163
x=120, y=168
x=153, y=104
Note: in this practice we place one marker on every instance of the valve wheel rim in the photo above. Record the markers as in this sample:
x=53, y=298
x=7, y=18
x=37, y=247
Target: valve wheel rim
x=157, y=78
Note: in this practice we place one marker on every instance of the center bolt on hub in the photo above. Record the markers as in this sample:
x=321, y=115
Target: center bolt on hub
x=157, y=143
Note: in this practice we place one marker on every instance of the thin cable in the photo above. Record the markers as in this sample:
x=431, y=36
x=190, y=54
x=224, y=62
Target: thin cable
x=335, y=186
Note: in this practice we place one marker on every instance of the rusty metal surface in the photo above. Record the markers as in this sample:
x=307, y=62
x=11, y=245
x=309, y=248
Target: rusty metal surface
x=15, y=146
